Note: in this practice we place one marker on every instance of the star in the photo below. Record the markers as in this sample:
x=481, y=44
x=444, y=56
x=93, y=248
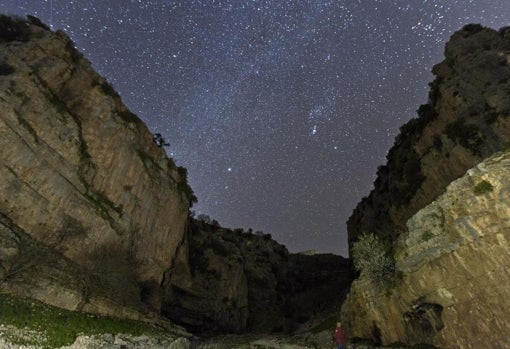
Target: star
x=252, y=83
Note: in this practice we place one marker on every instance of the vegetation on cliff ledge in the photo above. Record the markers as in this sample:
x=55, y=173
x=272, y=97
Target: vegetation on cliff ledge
x=372, y=259
x=483, y=187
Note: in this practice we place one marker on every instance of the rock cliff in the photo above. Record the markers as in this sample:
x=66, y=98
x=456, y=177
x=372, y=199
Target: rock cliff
x=453, y=284
x=446, y=236
x=465, y=121
x=234, y=281
x=82, y=178
x=94, y=216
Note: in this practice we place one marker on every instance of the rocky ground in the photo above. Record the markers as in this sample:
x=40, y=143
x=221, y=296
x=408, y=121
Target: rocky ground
x=303, y=341
x=15, y=338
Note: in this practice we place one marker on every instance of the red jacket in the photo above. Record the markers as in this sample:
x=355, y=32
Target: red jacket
x=339, y=335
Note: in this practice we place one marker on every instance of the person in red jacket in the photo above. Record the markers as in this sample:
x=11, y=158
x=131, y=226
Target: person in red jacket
x=339, y=336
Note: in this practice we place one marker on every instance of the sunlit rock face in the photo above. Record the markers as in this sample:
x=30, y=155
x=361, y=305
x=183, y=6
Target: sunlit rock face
x=80, y=174
x=465, y=121
x=453, y=282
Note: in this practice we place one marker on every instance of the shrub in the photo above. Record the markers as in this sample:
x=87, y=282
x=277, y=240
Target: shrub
x=204, y=218
x=13, y=29
x=473, y=28
x=426, y=113
x=36, y=21
x=371, y=259
x=186, y=189
x=483, y=187
x=435, y=92
x=160, y=140
x=466, y=134
x=427, y=236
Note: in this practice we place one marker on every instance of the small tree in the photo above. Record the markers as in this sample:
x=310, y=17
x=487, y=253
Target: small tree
x=160, y=141
x=371, y=259
x=204, y=218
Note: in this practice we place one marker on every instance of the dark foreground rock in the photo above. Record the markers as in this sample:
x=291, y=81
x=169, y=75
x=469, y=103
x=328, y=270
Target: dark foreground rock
x=234, y=281
x=81, y=180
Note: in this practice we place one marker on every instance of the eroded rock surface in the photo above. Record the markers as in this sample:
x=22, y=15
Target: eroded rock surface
x=465, y=121
x=450, y=285
x=81, y=176
x=452, y=262
x=94, y=216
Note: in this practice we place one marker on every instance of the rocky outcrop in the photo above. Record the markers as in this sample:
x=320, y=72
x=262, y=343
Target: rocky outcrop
x=449, y=283
x=465, y=121
x=453, y=285
x=94, y=216
x=234, y=281
x=82, y=179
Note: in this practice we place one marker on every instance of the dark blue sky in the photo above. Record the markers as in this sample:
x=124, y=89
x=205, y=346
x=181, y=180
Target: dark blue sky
x=280, y=110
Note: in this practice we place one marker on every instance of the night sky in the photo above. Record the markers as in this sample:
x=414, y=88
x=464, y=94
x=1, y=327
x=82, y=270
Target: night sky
x=280, y=110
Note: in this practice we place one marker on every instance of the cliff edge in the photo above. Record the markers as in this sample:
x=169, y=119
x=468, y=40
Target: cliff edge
x=82, y=181
x=453, y=285
x=94, y=216
x=443, y=239
x=465, y=121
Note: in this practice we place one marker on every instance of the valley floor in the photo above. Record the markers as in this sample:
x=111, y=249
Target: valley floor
x=303, y=341
x=14, y=338
x=29, y=324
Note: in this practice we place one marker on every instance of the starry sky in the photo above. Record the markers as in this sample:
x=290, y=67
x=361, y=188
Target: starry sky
x=281, y=110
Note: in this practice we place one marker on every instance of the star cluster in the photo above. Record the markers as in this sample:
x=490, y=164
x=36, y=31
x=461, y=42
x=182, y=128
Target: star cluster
x=280, y=110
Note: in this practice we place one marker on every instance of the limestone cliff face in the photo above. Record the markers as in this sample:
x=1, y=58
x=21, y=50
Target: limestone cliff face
x=94, y=216
x=454, y=284
x=80, y=174
x=465, y=121
x=233, y=281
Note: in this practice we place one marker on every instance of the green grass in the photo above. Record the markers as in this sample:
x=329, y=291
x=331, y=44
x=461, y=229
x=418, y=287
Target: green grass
x=483, y=187
x=61, y=327
x=427, y=236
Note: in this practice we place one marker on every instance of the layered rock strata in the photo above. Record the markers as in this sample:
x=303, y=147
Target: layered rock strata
x=465, y=121
x=94, y=216
x=452, y=285
x=81, y=175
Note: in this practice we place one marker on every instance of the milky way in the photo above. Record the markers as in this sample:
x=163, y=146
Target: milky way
x=280, y=110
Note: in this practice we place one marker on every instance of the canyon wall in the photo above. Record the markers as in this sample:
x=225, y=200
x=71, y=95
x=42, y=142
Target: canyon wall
x=82, y=175
x=452, y=285
x=235, y=281
x=94, y=215
x=446, y=236
x=465, y=121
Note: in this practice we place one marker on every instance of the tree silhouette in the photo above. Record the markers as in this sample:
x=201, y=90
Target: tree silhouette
x=160, y=141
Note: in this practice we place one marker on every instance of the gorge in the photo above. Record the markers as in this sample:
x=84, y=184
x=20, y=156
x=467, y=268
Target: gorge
x=95, y=218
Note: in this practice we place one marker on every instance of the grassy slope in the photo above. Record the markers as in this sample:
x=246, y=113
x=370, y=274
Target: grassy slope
x=61, y=327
